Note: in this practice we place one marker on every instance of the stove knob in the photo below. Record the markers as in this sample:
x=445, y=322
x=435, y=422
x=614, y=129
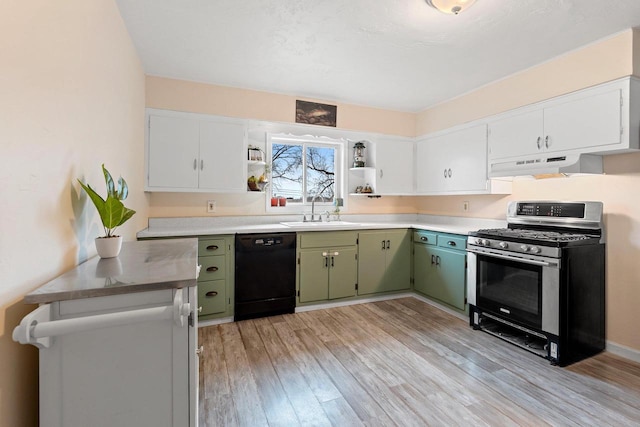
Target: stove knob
x=503, y=245
x=524, y=248
x=485, y=242
x=478, y=241
x=535, y=250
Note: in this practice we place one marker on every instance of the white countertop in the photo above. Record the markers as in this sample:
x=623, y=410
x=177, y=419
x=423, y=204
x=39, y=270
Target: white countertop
x=202, y=226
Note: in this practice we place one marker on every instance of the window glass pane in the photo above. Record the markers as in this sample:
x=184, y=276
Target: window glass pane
x=321, y=173
x=286, y=171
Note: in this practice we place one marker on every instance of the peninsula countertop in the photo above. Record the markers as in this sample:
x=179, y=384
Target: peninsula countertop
x=141, y=267
x=203, y=226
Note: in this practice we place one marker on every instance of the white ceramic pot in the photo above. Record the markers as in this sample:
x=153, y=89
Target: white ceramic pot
x=108, y=247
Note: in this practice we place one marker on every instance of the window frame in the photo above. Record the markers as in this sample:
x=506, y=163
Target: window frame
x=340, y=171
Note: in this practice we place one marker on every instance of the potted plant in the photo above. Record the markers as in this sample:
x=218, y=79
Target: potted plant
x=112, y=212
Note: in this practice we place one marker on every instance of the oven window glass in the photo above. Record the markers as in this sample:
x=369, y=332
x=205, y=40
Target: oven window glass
x=510, y=289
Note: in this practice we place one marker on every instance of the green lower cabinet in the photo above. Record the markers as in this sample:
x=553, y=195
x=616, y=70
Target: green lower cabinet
x=212, y=296
x=384, y=261
x=327, y=273
x=440, y=274
x=216, y=280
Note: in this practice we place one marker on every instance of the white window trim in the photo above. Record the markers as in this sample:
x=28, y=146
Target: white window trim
x=340, y=173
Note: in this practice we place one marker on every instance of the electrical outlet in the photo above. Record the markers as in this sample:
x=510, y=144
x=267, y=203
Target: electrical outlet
x=211, y=206
x=465, y=206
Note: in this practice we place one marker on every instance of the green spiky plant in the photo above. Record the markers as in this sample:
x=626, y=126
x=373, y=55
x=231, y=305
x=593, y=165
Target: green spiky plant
x=112, y=211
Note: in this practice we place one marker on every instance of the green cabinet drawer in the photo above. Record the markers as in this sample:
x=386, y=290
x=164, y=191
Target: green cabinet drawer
x=452, y=242
x=328, y=239
x=212, y=297
x=425, y=237
x=207, y=247
x=213, y=267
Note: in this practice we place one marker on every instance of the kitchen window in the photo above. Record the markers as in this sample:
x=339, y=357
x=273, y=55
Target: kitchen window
x=304, y=169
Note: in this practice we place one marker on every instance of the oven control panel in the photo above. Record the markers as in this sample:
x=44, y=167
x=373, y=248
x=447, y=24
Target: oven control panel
x=558, y=210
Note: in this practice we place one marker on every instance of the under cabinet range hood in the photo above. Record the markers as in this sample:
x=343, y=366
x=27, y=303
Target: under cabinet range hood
x=553, y=165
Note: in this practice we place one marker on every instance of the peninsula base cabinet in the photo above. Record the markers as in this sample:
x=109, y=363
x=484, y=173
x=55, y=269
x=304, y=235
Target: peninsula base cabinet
x=327, y=265
x=439, y=267
x=384, y=261
x=129, y=374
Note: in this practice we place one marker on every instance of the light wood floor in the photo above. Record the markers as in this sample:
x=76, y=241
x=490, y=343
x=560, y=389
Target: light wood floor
x=399, y=362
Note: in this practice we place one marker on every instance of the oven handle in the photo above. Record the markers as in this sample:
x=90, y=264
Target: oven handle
x=517, y=259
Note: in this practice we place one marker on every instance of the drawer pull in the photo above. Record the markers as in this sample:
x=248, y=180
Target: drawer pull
x=212, y=269
x=424, y=239
x=211, y=294
x=212, y=248
x=451, y=243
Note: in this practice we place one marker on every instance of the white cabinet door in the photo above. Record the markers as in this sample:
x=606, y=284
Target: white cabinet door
x=173, y=152
x=467, y=163
x=455, y=162
x=222, y=162
x=516, y=135
x=587, y=122
x=429, y=166
x=394, y=163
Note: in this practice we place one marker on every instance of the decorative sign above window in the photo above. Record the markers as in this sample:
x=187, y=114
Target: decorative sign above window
x=314, y=113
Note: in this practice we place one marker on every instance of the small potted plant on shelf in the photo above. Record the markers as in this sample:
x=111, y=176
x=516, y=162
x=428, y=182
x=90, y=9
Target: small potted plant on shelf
x=112, y=212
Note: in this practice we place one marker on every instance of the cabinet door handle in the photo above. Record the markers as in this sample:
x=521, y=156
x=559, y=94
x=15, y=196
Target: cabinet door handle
x=383, y=245
x=539, y=143
x=381, y=173
x=195, y=164
x=546, y=141
x=388, y=244
x=445, y=173
x=424, y=239
x=326, y=261
x=201, y=164
x=451, y=243
x=212, y=269
x=211, y=294
x=449, y=172
x=438, y=260
x=212, y=248
x=331, y=261
x=433, y=259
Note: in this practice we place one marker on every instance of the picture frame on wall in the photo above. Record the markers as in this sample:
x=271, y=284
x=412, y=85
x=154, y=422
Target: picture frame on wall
x=314, y=113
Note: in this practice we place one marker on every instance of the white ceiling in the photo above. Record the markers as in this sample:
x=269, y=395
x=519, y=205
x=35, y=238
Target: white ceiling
x=394, y=54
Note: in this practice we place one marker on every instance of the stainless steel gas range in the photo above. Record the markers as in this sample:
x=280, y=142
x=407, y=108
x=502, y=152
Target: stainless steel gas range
x=540, y=283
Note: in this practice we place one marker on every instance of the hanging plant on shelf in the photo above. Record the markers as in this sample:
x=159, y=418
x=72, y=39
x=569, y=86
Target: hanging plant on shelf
x=112, y=212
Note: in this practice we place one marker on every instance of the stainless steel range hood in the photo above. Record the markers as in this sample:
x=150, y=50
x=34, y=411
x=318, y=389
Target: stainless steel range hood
x=547, y=165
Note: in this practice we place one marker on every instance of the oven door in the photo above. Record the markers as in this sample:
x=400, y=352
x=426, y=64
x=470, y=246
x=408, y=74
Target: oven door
x=517, y=287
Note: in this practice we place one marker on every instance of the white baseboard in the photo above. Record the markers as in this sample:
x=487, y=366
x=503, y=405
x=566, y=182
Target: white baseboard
x=623, y=351
x=324, y=305
x=203, y=323
x=462, y=316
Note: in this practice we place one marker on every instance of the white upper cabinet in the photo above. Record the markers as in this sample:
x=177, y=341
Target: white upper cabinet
x=598, y=120
x=222, y=158
x=194, y=152
x=454, y=162
x=173, y=152
x=394, y=164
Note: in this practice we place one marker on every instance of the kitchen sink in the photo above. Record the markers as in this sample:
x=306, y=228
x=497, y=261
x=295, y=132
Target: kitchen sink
x=324, y=224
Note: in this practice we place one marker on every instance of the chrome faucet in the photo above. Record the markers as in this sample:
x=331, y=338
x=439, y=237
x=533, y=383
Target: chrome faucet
x=313, y=211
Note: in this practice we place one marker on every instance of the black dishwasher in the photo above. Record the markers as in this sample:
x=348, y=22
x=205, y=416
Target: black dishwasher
x=265, y=280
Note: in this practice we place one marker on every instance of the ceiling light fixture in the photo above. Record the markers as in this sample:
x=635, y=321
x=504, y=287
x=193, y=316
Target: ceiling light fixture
x=452, y=7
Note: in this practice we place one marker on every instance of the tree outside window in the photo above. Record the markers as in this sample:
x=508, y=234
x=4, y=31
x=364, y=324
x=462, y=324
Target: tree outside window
x=304, y=171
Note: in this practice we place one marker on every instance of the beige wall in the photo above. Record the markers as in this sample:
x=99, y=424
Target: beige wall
x=618, y=189
x=593, y=64
x=181, y=95
x=72, y=97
